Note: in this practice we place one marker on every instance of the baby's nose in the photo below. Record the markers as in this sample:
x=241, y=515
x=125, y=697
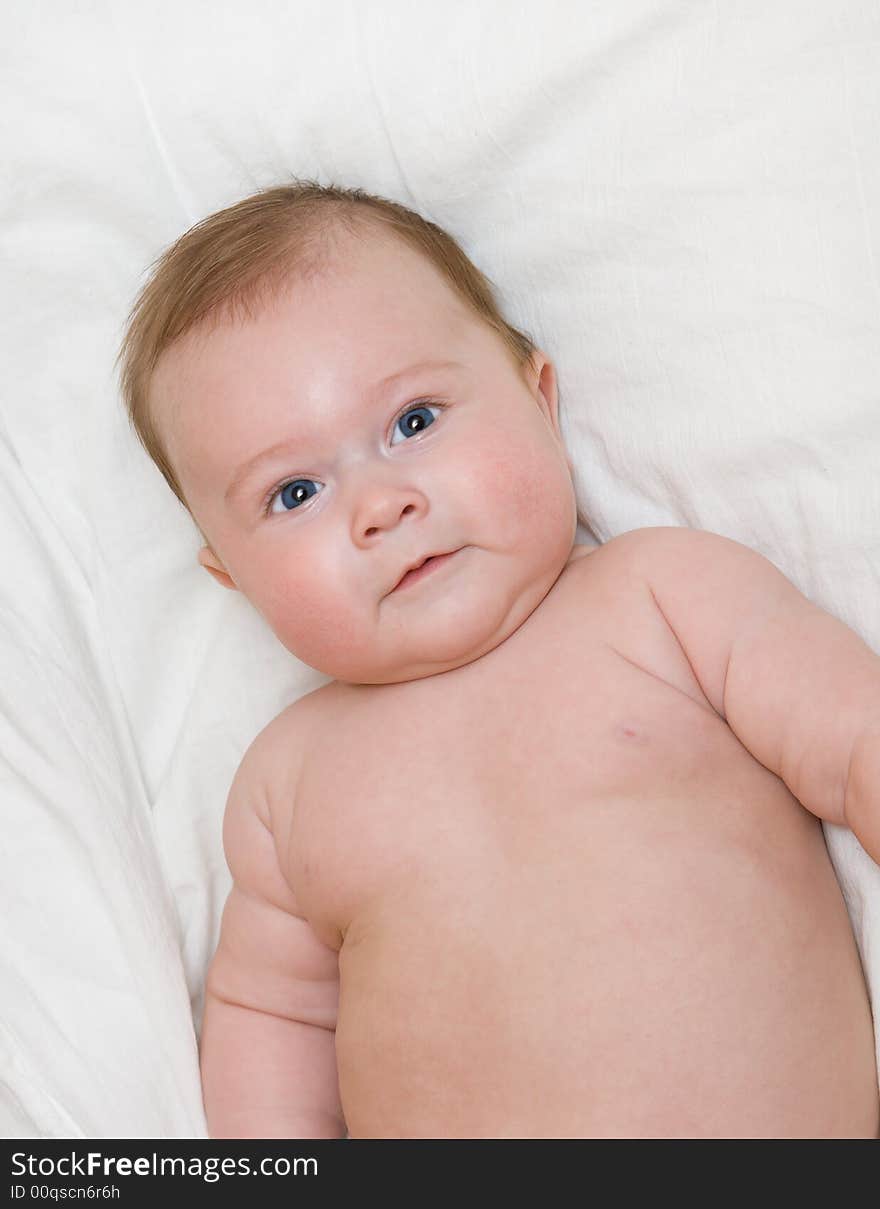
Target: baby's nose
x=381, y=508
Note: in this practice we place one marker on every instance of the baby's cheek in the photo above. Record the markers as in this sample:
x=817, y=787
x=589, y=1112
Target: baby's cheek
x=529, y=487
x=304, y=622
x=321, y=629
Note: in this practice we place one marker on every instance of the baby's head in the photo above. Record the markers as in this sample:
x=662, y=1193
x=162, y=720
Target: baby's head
x=327, y=385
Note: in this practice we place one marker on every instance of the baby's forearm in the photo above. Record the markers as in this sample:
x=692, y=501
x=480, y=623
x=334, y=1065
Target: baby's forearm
x=264, y=1076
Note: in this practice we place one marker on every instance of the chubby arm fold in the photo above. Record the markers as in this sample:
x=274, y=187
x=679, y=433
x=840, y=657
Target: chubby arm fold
x=268, y=1057
x=799, y=689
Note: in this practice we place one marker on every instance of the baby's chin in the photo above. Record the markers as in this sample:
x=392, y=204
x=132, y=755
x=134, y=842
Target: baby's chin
x=409, y=663
x=405, y=670
x=430, y=646
x=402, y=671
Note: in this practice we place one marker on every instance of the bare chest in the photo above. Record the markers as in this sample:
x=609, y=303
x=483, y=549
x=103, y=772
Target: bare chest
x=585, y=724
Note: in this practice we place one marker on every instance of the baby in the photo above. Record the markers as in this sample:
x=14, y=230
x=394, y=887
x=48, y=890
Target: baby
x=543, y=858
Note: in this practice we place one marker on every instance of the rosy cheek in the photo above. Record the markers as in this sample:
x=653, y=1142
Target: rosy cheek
x=302, y=617
x=312, y=622
x=519, y=482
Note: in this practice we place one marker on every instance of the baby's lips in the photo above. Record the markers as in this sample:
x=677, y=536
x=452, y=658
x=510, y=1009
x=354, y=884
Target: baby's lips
x=417, y=565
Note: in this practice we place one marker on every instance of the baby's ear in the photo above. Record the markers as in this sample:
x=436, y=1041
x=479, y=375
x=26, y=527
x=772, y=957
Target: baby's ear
x=544, y=383
x=212, y=563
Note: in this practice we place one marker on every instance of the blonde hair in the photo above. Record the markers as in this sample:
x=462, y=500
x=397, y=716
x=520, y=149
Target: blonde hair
x=233, y=261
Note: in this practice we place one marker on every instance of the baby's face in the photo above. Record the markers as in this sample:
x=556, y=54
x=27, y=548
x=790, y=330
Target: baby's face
x=364, y=422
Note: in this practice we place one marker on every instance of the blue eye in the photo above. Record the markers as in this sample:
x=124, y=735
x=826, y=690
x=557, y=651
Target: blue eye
x=292, y=494
x=413, y=421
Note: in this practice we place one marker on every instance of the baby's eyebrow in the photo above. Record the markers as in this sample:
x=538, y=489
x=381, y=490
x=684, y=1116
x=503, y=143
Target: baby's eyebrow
x=253, y=464
x=248, y=468
x=394, y=378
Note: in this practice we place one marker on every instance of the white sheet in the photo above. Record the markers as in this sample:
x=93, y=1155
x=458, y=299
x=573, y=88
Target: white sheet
x=680, y=201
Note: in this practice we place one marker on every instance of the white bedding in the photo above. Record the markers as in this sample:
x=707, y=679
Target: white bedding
x=680, y=201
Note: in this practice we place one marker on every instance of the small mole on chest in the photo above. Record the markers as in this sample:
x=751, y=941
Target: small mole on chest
x=630, y=733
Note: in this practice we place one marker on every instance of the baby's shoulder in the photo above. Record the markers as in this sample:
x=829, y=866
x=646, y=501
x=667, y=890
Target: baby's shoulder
x=270, y=767
x=664, y=542
x=619, y=568
x=657, y=553
x=633, y=546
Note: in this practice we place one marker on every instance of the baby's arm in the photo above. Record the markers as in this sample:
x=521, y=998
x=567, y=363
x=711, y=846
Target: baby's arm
x=797, y=687
x=268, y=1054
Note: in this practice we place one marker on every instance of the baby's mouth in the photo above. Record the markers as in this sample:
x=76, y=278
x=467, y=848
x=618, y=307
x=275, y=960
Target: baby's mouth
x=424, y=568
